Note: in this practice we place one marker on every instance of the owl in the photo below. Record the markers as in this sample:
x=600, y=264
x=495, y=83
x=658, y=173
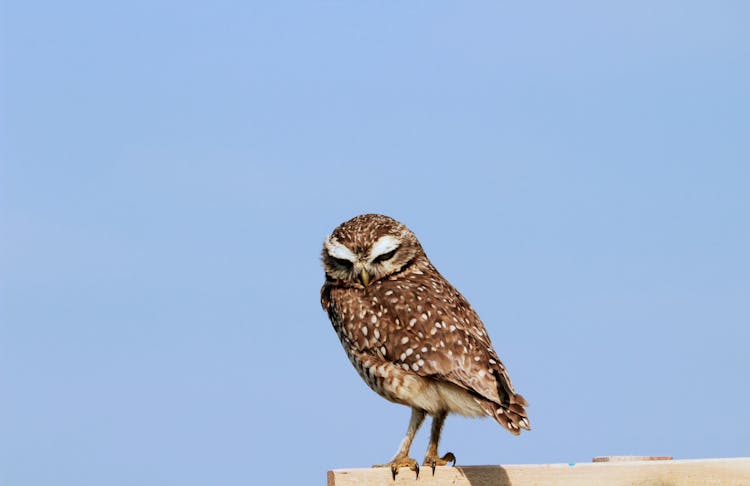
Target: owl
x=411, y=336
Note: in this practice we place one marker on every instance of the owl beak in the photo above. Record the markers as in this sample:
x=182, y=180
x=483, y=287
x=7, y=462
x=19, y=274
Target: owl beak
x=365, y=277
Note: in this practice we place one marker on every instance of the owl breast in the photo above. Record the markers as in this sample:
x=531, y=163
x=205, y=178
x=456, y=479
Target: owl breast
x=363, y=341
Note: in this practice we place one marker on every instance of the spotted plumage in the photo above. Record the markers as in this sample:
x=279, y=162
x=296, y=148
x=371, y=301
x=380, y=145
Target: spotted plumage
x=411, y=336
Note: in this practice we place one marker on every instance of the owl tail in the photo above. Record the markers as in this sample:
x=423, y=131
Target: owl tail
x=511, y=415
x=511, y=411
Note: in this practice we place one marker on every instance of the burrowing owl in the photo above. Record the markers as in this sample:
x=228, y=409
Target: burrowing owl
x=412, y=337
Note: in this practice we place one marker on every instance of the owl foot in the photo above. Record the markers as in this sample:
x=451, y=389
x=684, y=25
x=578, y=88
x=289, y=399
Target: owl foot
x=434, y=461
x=399, y=462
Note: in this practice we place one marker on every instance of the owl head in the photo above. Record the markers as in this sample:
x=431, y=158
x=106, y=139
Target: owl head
x=368, y=248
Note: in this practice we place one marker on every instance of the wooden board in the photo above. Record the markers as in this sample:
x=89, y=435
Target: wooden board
x=700, y=472
x=631, y=458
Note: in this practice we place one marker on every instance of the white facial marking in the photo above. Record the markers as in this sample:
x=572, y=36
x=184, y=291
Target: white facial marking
x=383, y=245
x=337, y=250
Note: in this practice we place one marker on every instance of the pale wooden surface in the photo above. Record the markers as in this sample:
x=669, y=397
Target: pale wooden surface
x=631, y=458
x=700, y=472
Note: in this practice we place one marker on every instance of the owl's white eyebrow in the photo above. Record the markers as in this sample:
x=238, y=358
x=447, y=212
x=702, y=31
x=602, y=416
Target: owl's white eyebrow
x=337, y=250
x=384, y=245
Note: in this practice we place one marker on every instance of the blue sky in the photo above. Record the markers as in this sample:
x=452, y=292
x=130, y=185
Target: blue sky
x=168, y=171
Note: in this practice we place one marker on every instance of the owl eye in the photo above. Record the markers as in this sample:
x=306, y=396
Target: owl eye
x=343, y=262
x=384, y=256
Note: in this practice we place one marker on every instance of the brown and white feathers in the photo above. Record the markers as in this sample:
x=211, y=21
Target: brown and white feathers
x=412, y=337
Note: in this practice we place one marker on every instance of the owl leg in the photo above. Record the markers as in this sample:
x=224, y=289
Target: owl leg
x=402, y=459
x=431, y=458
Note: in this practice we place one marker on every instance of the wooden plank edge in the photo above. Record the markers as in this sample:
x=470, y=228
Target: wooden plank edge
x=720, y=471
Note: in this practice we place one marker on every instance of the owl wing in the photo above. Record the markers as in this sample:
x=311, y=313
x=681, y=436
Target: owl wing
x=442, y=337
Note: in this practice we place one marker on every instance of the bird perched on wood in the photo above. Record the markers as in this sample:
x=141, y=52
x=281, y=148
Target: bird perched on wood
x=412, y=337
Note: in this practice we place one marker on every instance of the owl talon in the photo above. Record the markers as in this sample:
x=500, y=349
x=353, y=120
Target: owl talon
x=400, y=462
x=433, y=462
x=449, y=457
